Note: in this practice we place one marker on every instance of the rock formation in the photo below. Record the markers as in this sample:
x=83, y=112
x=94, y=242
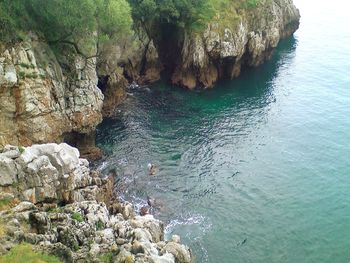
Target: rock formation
x=225, y=47
x=51, y=199
x=50, y=97
x=41, y=102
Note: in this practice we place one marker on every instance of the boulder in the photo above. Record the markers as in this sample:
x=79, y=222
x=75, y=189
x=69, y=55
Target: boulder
x=181, y=252
x=8, y=171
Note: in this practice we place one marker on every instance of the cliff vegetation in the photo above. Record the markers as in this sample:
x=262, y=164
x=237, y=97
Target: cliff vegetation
x=67, y=63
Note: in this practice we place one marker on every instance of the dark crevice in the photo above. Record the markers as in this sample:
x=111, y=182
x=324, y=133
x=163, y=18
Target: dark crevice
x=169, y=42
x=102, y=83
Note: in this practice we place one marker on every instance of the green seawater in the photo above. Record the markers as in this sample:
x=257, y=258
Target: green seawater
x=257, y=169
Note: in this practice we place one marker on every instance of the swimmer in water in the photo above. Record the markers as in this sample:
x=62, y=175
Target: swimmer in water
x=151, y=169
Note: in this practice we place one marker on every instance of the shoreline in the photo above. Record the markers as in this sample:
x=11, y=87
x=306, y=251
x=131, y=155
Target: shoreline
x=75, y=216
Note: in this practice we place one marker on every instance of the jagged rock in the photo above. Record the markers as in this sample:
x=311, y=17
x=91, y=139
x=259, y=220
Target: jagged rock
x=121, y=241
x=40, y=222
x=143, y=64
x=137, y=247
x=155, y=227
x=124, y=256
x=176, y=239
x=59, y=250
x=51, y=173
x=128, y=211
x=115, y=93
x=165, y=258
x=95, y=249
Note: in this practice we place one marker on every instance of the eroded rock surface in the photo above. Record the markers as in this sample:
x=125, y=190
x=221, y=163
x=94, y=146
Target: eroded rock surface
x=223, y=48
x=55, y=202
x=40, y=101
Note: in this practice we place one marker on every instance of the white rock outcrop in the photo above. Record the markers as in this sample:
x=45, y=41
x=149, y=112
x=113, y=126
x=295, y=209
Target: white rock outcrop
x=46, y=173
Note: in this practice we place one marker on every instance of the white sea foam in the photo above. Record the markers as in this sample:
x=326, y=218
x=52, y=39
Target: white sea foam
x=102, y=166
x=192, y=220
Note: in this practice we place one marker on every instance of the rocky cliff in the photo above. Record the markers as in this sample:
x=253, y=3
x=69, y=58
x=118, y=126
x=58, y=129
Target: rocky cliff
x=61, y=96
x=41, y=100
x=50, y=198
x=247, y=38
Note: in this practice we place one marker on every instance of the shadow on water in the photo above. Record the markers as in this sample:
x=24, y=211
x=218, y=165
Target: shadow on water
x=190, y=135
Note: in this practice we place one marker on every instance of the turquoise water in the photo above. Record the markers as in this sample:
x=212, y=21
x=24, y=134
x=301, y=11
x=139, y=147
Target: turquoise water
x=257, y=169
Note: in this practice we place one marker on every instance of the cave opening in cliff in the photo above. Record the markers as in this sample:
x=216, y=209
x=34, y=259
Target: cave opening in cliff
x=85, y=142
x=169, y=41
x=102, y=83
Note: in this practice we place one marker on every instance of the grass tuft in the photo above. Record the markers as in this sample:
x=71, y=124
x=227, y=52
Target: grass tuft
x=106, y=258
x=99, y=225
x=24, y=253
x=5, y=203
x=2, y=228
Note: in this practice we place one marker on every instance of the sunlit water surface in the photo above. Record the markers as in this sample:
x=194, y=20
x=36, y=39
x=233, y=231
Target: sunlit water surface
x=257, y=169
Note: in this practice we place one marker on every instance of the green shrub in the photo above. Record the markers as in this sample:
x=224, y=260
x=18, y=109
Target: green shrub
x=24, y=65
x=252, y=3
x=22, y=74
x=21, y=149
x=78, y=217
x=65, y=22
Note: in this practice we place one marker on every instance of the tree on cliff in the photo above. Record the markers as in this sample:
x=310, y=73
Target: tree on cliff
x=72, y=22
x=187, y=14
x=182, y=13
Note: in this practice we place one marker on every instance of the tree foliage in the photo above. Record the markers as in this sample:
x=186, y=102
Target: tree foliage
x=188, y=14
x=67, y=21
x=70, y=20
x=183, y=13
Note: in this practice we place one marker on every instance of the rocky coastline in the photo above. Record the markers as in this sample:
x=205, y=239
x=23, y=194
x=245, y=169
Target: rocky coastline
x=53, y=101
x=52, y=200
x=50, y=96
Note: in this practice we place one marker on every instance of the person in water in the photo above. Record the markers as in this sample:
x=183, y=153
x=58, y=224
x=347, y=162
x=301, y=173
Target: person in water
x=152, y=169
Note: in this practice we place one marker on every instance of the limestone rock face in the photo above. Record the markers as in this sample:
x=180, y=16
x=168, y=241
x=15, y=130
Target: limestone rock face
x=136, y=61
x=143, y=64
x=221, y=50
x=50, y=173
x=40, y=99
